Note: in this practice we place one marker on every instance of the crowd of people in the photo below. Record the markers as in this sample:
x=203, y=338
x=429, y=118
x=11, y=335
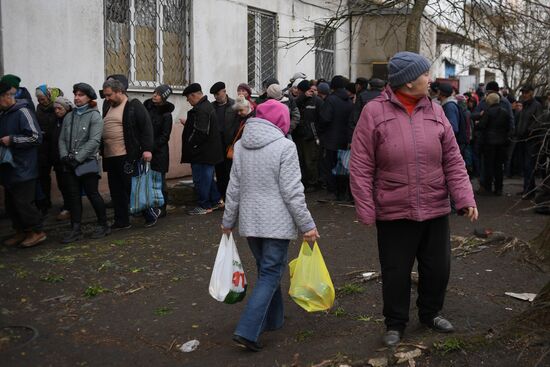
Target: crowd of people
x=412, y=149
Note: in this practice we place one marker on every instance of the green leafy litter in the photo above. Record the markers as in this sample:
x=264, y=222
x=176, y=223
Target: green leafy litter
x=52, y=278
x=51, y=258
x=303, y=335
x=94, y=290
x=449, y=345
x=163, y=311
x=350, y=288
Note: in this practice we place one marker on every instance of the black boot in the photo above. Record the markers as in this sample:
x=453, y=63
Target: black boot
x=101, y=231
x=74, y=235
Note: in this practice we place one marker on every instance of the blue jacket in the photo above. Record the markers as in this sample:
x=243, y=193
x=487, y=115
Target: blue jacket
x=20, y=124
x=452, y=112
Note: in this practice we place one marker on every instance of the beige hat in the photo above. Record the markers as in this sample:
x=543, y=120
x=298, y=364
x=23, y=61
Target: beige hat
x=275, y=92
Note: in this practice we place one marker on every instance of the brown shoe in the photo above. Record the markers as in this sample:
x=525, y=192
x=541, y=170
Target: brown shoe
x=33, y=239
x=64, y=215
x=16, y=239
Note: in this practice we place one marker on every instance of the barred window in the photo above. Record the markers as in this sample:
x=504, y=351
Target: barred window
x=148, y=40
x=324, y=51
x=262, y=47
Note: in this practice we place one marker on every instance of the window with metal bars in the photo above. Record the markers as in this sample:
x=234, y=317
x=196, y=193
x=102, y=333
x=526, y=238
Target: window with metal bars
x=262, y=47
x=148, y=40
x=324, y=51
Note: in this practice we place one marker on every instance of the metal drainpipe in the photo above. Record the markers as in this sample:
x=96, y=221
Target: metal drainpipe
x=1, y=43
x=350, y=40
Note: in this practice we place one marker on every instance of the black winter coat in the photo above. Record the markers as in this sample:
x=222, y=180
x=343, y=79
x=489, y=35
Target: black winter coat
x=528, y=118
x=161, y=118
x=334, y=124
x=137, y=129
x=46, y=120
x=201, y=141
x=230, y=125
x=310, y=110
x=495, y=125
x=54, y=144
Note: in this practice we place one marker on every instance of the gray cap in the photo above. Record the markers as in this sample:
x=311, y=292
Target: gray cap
x=323, y=88
x=404, y=67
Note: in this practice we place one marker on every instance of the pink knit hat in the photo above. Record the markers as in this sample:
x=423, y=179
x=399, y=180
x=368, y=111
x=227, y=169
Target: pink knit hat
x=276, y=113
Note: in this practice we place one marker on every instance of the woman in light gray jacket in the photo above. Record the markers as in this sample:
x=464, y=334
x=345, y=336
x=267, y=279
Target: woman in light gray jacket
x=78, y=146
x=265, y=193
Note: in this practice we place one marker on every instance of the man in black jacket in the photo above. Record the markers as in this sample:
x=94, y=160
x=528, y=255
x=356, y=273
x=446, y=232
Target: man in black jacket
x=202, y=148
x=306, y=135
x=528, y=145
x=494, y=127
x=20, y=137
x=228, y=124
x=334, y=134
x=127, y=138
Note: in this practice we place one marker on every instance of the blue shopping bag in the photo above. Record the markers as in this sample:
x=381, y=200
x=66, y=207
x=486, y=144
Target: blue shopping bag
x=146, y=189
x=342, y=164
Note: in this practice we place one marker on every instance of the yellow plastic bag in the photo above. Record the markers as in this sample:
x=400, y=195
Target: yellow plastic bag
x=310, y=284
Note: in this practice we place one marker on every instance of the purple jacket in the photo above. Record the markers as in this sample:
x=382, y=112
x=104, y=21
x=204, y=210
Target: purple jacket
x=404, y=167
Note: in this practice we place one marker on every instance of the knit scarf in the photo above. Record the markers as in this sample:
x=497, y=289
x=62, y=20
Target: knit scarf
x=80, y=110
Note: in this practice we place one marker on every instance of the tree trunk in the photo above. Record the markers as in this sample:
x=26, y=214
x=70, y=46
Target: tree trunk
x=412, y=42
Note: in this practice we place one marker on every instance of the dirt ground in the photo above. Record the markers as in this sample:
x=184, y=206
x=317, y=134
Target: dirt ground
x=135, y=296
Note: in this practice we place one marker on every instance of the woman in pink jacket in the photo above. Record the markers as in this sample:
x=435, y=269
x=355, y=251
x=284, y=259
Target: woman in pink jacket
x=405, y=163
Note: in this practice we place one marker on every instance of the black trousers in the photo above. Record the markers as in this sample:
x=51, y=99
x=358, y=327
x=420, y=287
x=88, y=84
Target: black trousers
x=399, y=243
x=120, y=187
x=44, y=201
x=62, y=186
x=329, y=159
x=73, y=186
x=494, y=157
x=223, y=172
x=20, y=208
x=308, y=153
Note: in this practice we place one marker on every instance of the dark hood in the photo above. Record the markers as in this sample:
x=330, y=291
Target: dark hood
x=22, y=103
x=341, y=93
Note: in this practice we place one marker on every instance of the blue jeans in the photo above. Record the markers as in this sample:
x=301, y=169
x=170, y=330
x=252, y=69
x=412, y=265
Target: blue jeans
x=205, y=186
x=264, y=310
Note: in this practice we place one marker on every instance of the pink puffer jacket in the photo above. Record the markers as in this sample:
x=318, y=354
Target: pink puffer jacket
x=404, y=167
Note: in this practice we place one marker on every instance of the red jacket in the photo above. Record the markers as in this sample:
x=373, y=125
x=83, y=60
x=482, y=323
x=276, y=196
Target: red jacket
x=404, y=166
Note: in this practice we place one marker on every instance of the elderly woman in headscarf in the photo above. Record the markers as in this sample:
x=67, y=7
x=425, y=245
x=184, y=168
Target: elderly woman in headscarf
x=46, y=119
x=61, y=107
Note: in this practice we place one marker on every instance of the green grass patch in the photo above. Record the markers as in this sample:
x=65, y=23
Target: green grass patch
x=119, y=242
x=339, y=312
x=136, y=270
x=364, y=318
x=106, y=265
x=350, y=288
x=303, y=335
x=94, y=290
x=52, y=278
x=57, y=259
x=449, y=345
x=21, y=273
x=163, y=311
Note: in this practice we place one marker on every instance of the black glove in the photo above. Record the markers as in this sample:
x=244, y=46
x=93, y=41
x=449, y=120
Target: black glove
x=70, y=162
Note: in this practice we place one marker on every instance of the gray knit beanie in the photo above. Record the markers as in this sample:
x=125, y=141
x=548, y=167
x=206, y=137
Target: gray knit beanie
x=404, y=67
x=65, y=103
x=164, y=91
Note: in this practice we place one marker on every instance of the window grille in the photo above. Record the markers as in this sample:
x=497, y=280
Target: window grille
x=262, y=47
x=148, y=40
x=324, y=51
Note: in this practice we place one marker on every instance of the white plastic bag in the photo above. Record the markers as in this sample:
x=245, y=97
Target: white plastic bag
x=228, y=282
